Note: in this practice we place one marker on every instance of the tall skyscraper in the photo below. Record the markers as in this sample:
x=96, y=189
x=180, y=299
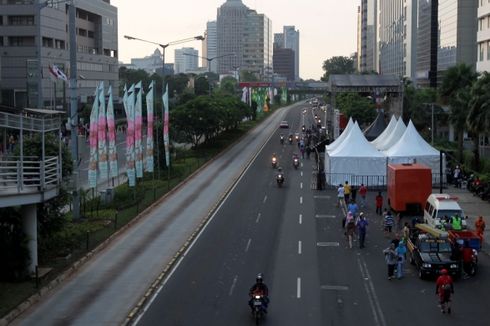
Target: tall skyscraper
x=483, y=36
x=27, y=38
x=284, y=63
x=211, y=46
x=427, y=39
x=368, y=48
x=185, y=62
x=291, y=41
x=246, y=34
x=279, y=40
x=457, y=34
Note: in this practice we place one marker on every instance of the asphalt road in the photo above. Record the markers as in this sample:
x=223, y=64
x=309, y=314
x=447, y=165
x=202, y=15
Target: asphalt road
x=293, y=235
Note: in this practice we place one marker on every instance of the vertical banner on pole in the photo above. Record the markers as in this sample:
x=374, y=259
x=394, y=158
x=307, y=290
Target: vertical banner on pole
x=165, y=126
x=128, y=101
x=138, y=122
x=111, y=127
x=149, y=133
x=103, y=165
x=92, y=167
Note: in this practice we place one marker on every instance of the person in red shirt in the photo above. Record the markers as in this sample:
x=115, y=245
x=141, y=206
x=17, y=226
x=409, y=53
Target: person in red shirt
x=444, y=289
x=379, y=203
x=362, y=193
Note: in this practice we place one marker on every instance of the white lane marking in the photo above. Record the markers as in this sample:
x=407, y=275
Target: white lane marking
x=265, y=199
x=233, y=285
x=334, y=287
x=248, y=245
x=301, y=185
x=379, y=319
x=300, y=218
x=301, y=200
x=322, y=197
x=299, y=247
x=298, y=288
x=301, y=173
x=258, y=218
x=327, y=244
x=324, y=216
x=301, y=164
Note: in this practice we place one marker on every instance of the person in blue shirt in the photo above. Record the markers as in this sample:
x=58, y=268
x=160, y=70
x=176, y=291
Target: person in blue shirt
x=353, y=208
x=362, y=224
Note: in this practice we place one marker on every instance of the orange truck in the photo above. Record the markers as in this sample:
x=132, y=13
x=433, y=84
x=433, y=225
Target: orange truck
x=409, y=185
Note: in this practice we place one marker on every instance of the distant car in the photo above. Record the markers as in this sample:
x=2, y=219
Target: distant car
x=284, y=124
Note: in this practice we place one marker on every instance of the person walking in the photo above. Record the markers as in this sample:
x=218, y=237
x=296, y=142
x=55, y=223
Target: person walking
x=480, y=227
x=401, y=253
x=362, y=224
x=388, y=223
x=379, y=203
x=340, y=196
x=362, y=193
x=353, y=208
x=347, y=191
x=350, y=228
x=406, y=232
x=391, y=259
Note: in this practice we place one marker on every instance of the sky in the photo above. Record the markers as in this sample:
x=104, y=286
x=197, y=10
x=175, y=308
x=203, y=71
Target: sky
x=327, y=27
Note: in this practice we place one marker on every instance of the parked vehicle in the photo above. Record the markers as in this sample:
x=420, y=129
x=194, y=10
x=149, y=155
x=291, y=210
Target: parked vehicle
x=438, y=207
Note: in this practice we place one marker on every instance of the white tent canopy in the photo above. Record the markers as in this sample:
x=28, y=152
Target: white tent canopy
x=389, y=128
x=393, y=137
x=356, y=161
x=342, y=136
x=411, y=147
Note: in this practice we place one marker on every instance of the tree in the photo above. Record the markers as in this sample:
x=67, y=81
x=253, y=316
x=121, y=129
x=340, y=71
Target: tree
x=201, y=85
x=228, y=85
x=337, y=66
x=247, y=76
x=478, y=119
x=359, y=108
x=455, y=90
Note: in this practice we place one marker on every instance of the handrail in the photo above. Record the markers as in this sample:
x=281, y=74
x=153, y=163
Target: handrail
x=12, y=121
x=31, y=174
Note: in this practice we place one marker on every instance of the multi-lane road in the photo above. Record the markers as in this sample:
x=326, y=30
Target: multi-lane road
x=291, y=234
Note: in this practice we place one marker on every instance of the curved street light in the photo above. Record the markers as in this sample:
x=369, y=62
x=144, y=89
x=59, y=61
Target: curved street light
x=209, y=59
x=164, y=46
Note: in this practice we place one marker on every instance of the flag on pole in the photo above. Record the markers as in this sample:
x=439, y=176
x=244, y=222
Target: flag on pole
x=149, y=133
x=92, y=167
x=128, y=102
x=165, y=126
x=138, y=121
x=111, y=135
x=56, y=73
x=102, y=132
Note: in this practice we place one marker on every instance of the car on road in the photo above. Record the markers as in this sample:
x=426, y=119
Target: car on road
x=284, y=124
x=430, y=250
x=438, y=207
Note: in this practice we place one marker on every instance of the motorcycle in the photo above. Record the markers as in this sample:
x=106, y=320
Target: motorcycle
x=274, y=162
x=280, y=180
x=473, y=267
x=282, y=140
x=290, y=139
x=258, y=308
x=296, y=163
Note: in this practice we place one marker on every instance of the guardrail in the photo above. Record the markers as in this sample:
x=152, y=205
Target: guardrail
x=28, y=123
x=29, y=174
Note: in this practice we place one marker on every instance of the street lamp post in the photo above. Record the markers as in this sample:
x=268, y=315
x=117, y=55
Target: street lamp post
x=209, y=60
x=164, y=46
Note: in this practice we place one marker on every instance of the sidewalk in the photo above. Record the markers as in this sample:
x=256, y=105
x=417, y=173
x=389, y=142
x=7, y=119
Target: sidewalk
x=473, y=207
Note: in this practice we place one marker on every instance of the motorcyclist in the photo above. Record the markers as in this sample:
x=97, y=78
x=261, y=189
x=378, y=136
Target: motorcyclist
x=290, y=138
x=295, y=160
x=280, y=173
x=444, y=289
x=259, y=288
x=282, y=139
x=274, y=160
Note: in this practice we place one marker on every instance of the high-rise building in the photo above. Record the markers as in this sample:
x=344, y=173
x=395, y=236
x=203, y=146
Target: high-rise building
x=368, y=48
x=284, y=63
x=211, y=46
x=244, y=40
x=291, y=41
x=29, y=35
x=483, y=36
x=359, y=37
x=427, y=39
x=186, y=59
x=278, y=40
x=457, y=34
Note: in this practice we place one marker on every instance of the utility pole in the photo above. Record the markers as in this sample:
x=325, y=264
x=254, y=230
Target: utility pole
x=74, y=107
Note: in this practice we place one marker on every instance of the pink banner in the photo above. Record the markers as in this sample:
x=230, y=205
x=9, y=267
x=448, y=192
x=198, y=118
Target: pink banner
x=102, y=132
x=111, y=134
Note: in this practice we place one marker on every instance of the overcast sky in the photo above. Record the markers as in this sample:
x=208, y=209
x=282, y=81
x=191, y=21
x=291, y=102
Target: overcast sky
x=327, y=27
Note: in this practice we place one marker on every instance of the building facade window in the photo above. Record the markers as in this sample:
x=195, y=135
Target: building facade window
x=488, y=50
x=21, y=20
x=21, y=41
x=480, y=51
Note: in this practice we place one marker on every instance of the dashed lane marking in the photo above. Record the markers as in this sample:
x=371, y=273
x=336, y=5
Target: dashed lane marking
x=299, y=247
x=301, y=185
x=300, y=218
x=322, y=197
x=258, y=218
x=233, y=285
x=248, y=245
x=301, y=200
x=334, y=287
x=265, y=199
x=298, y=288
x=327, y=244
x=324, y=216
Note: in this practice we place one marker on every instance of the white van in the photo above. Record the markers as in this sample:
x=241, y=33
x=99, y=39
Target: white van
x=441, y=206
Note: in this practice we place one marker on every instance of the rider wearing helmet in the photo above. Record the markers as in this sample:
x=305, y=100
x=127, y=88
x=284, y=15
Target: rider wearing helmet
x=444, y=288
x=259, y=288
